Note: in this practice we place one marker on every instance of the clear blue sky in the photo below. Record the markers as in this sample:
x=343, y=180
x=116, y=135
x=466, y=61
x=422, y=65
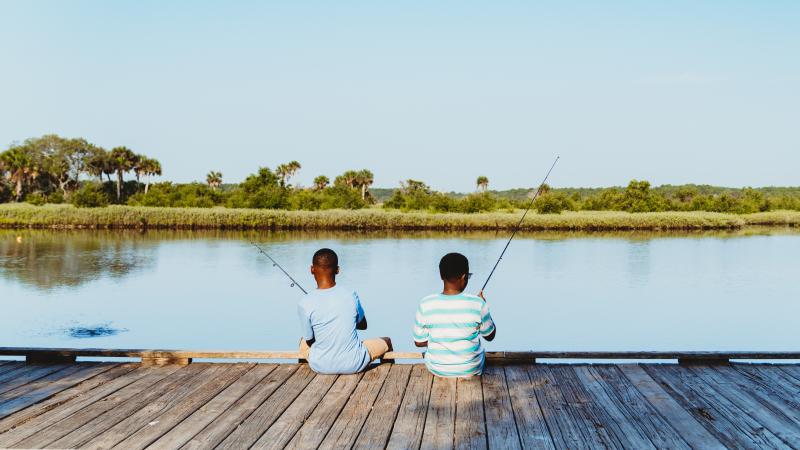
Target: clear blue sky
x=689, y=91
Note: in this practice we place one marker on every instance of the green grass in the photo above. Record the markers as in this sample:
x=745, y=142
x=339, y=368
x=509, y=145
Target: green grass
x=131, y=217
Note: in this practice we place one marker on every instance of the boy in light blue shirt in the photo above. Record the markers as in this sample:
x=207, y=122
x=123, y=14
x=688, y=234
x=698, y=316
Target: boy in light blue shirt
x=329, y=318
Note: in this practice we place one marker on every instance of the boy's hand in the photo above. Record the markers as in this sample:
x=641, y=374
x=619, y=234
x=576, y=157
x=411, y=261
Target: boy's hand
x=480, y=294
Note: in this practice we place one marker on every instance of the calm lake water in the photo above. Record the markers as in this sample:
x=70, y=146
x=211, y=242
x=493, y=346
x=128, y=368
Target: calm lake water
x=212, y=290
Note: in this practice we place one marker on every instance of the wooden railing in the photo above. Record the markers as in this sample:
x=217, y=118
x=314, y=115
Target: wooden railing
x=157, y=357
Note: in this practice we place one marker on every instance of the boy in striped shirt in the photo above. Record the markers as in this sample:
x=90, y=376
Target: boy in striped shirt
x=451, y=324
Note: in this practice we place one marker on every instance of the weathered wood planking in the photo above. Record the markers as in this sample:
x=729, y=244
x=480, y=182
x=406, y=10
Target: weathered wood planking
x=500, y=425
x=381, y=419
x=346, y=428
x=206, y=414
x=109, y=405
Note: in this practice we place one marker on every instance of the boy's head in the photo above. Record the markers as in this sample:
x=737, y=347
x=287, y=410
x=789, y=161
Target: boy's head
x=454, y=270
x=324, y=264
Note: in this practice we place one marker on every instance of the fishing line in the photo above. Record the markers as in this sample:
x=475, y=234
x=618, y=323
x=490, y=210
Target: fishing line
x=538, y=191
x=275, y=264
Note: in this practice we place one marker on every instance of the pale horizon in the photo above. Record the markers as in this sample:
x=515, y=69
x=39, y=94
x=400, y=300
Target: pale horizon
x=690, y=92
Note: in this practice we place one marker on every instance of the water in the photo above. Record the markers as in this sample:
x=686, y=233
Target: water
x=213, y=291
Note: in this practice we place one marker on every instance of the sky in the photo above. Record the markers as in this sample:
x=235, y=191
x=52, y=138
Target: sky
x=441, y=91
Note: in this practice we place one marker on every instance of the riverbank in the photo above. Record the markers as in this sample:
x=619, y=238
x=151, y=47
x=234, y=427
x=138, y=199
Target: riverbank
x=136, y=217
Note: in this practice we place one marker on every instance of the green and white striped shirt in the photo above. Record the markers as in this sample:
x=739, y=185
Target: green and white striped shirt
x=452, y=325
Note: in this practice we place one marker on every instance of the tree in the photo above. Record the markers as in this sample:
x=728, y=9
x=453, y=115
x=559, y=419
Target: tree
x=346, y=179
x=321, y=182
x=214, y=180
x=287, y=171
x=65, y=159
x=99, y=163
x=149, y=167
x=22, y=165
x=482, y=183
x=364, y=180
x=122, y=160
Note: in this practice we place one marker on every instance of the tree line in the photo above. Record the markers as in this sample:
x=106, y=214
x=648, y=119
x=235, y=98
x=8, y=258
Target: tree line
x=53, y=169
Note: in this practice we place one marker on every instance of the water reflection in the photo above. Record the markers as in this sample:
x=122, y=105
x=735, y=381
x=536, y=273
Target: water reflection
x=47, y=260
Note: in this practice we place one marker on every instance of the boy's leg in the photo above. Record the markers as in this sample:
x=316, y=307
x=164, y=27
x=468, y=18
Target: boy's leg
x=378, y=347
x=303, y=349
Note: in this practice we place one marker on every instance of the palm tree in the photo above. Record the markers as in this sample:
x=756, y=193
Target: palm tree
x=97, y=163
x=22, y=167
x=214, y=179
x=482, y=183
x=150, y=167
x=139, y=168
x=122, y=160
x=321, y=182
x=287, y=171
x=364, y=179
x=347, y=179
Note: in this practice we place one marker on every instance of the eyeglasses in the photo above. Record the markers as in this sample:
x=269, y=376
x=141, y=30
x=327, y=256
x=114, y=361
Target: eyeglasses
x=469, y=275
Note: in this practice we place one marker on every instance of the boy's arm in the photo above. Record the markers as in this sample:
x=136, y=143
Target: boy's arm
x=306, y=330
x=420, y=331
x=361, y=318
x=488, y=329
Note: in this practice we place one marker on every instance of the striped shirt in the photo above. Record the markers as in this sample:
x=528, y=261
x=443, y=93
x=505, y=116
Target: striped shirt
x=452, y=325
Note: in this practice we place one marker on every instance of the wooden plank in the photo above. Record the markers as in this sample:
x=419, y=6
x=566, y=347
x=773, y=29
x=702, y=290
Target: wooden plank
x=440, y=421
x=375, y=431
x=11, y=365
x=36, y=391
x=770, y=413
x=501, y=428
x=175, y=412
x=597, y=424
x=24, y=375
x=626, y=426
x=637, y=410
x=729, y=424
x=772, y=378
x=35, y=419
x=410, y=423
x=690, y=429
x=346, y=428
x=62, y=397
x=211, y=411
x=283, y=429
x=154, y=378
x=324, y=414
x=530, y=422
x=253, y=410
x=470, y=430
x=268, y=412
x=114, y=426
x=793, y=371
x=566, y=428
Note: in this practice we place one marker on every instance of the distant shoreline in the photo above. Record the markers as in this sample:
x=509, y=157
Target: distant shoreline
x=139, y=217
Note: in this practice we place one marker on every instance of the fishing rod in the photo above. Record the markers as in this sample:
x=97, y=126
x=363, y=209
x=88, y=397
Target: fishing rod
x=538, y=191
x=275, y=264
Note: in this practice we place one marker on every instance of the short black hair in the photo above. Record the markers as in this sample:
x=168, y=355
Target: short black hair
x=325, y=257
x=453, y=266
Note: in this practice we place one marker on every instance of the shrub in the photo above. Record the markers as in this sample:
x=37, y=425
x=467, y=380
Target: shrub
x=90, y=195
x=552, y=203
x=36, y=198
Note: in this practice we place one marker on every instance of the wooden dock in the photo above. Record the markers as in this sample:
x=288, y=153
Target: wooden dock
x=398, y=406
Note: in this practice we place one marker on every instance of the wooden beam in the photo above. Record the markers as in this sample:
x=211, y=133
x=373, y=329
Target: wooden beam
x=53, y=357
x=494, y=357
x=161, y=361
x=706, y=361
